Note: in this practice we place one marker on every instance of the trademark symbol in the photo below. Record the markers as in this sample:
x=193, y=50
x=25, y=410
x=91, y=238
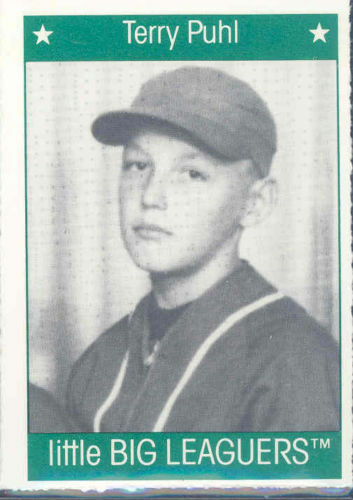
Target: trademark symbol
x=321, y=443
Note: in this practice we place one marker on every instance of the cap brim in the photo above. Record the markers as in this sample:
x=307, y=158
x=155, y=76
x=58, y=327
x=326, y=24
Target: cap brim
x=115, y=128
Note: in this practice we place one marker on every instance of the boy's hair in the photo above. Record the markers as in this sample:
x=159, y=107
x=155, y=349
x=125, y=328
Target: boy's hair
x=217, y=111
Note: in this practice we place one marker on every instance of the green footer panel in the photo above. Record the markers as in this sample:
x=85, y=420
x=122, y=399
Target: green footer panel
x=228, y=456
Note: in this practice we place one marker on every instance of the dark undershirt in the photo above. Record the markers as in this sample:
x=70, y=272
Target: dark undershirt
x=160, y=320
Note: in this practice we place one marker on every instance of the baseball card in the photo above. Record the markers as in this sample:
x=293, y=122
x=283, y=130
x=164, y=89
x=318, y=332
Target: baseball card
x=176, y=248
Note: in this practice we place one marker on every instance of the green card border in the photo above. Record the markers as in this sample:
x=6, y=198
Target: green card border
x=338, y=203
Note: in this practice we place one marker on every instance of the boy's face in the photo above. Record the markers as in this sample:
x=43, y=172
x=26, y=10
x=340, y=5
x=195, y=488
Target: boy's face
x=179, y=205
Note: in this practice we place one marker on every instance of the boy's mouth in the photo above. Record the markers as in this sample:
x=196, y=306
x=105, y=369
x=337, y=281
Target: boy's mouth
x=151, y=231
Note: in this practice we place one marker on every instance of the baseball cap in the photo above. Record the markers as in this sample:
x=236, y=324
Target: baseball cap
x=217, y=110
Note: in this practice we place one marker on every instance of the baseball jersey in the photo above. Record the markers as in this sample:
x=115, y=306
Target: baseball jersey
x=240, y=358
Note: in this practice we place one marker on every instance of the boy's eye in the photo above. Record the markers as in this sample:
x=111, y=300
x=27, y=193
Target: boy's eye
x=136, y=165
x=196, y=175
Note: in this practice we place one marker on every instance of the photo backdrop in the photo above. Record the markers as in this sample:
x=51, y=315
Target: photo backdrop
x=80, y=278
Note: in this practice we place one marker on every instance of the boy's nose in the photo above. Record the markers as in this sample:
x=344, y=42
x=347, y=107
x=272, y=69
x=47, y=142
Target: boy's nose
x=154, y=195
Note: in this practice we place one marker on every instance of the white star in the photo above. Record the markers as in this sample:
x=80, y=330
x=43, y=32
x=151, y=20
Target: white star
x=319, y=33
x=42, y=35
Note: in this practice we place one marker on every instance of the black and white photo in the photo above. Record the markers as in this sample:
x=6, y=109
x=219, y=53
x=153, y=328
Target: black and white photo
x=183, y=268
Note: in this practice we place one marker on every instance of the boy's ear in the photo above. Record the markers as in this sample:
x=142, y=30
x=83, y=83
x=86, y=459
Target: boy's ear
x=261, y=200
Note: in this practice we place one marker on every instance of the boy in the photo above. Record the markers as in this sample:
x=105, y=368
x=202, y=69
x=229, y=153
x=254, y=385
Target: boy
x=213, y=347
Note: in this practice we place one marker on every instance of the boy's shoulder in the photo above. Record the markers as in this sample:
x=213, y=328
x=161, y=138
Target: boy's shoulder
x=99, y=357
x=111, y=341
x=281, y=330
x=285, y=333
x=285, y=319
x=290, y=323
